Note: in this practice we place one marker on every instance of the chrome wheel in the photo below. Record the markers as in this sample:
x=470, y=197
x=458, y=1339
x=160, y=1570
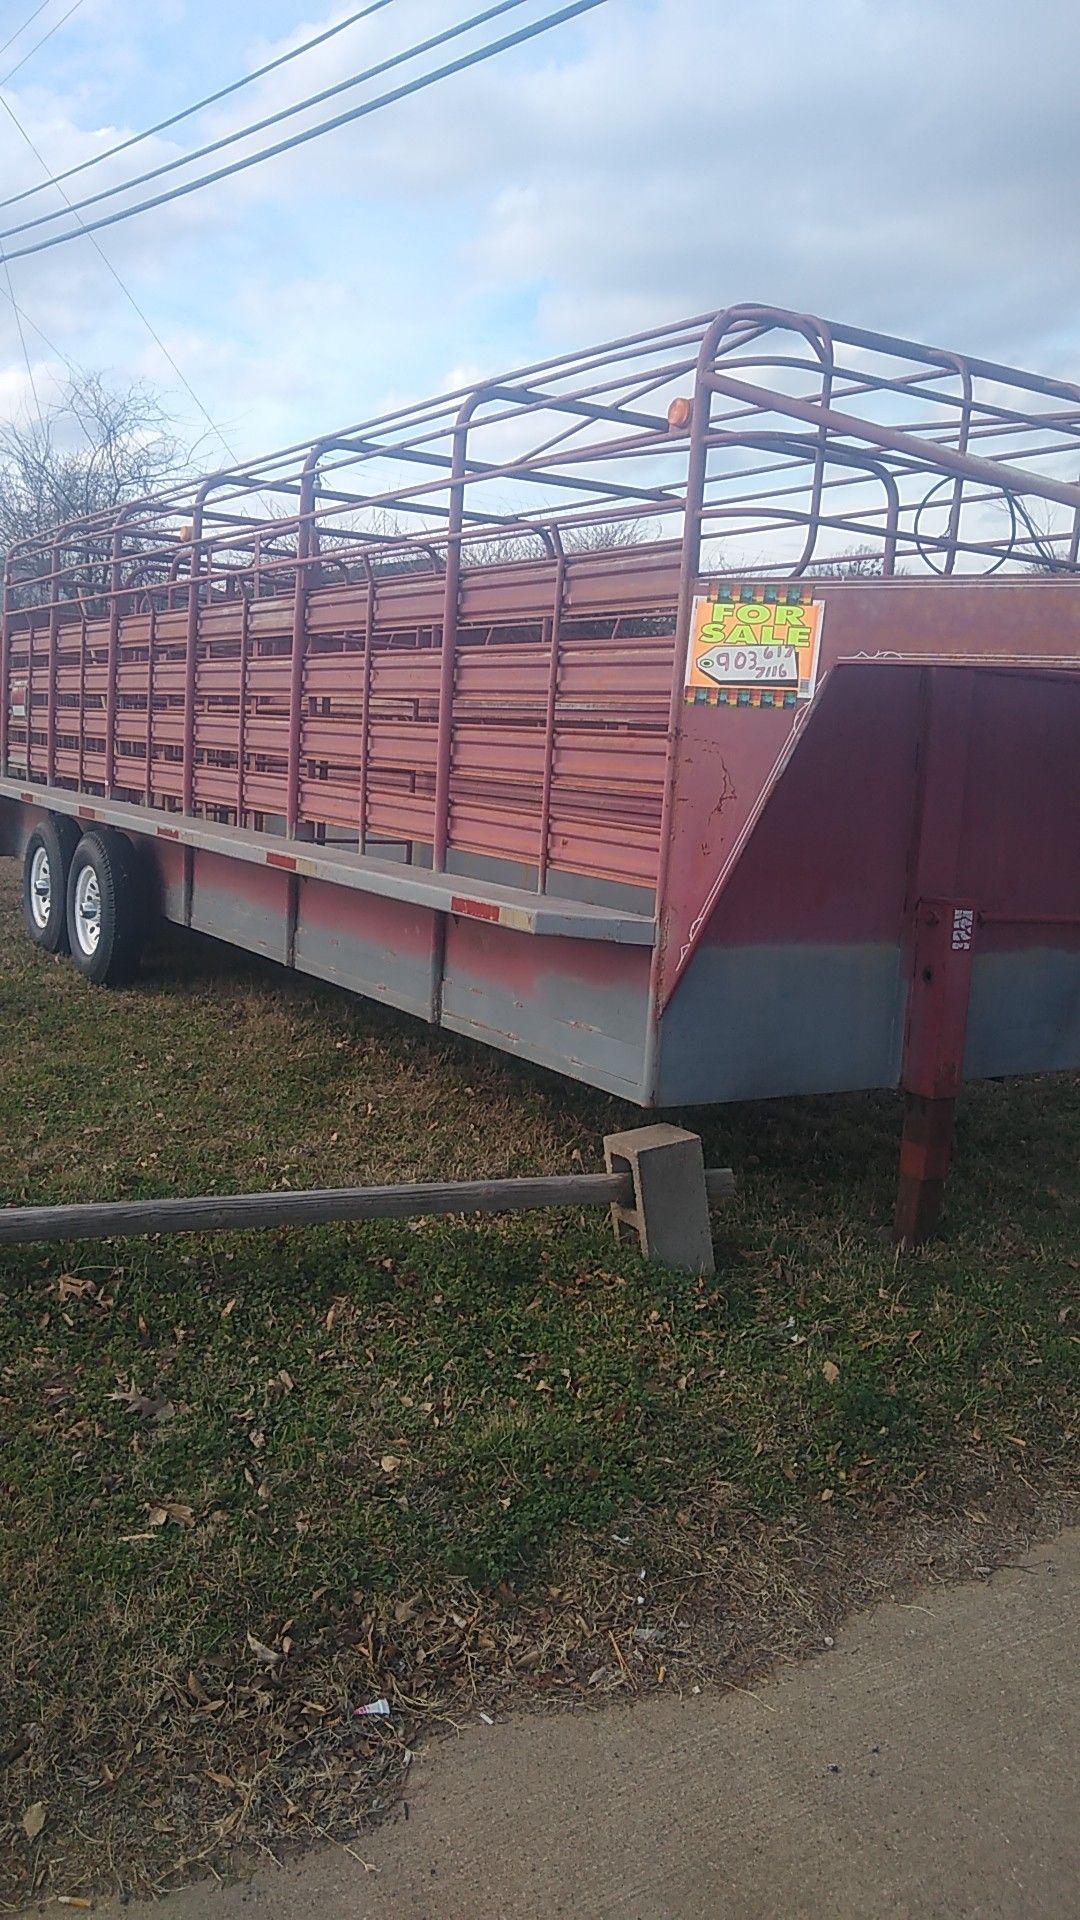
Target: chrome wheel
x=41, y=888
x=87, y=911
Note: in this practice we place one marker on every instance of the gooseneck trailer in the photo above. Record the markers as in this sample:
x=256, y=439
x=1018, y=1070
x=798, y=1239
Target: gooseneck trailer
x=695, y=715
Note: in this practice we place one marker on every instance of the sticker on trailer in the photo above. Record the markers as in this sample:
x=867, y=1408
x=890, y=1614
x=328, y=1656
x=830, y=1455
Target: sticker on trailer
x=19, y=701
x=753, y=646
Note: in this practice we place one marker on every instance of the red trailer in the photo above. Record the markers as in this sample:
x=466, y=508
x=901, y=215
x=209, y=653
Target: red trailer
x=695, y=715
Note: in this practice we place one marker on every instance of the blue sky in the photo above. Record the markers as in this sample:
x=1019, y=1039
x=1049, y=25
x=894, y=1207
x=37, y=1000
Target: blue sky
x=910, y=166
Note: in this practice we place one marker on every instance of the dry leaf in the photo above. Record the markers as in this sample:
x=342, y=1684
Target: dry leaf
x=158, y=1511
x=33, y=1820
x=74, y=1900
x=268, y=1656
x=831, y=1372
x=149, y=1406
x=389, y=1463
x=74, y=1286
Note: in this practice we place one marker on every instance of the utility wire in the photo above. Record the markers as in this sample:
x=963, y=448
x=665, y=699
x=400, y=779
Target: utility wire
x=22, y=343
x=12, y=71
x=209, y=100
x=479, y=55
x=28, y=22
x=491, y=12
x=124, y=288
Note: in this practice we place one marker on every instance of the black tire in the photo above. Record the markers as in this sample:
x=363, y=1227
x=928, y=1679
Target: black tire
x=46, y=864
x=105, y=891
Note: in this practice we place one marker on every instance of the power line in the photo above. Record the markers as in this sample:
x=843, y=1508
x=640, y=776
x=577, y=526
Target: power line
x=28, y=22
x=124, y=288
x=12, y=71
x=22, y=343
x=410, y=87
x=23, y=318
x=209, y=100
x=491, y=12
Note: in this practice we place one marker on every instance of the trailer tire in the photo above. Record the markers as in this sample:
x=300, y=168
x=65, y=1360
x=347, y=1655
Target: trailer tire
x=105, y=908
x=46, y=864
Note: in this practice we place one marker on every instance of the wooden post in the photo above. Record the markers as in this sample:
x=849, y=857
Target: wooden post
x=235, y=1212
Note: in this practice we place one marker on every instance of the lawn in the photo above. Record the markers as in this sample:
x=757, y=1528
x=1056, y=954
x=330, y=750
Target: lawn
x=250, y=1483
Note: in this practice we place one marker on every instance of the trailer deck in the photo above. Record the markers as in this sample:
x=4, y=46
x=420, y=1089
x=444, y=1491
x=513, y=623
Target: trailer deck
x=694, y=715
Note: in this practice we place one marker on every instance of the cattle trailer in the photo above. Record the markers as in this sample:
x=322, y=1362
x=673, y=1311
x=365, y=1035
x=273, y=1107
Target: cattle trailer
x=694, y=715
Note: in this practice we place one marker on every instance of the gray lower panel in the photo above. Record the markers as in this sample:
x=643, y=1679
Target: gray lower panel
x=750, y=1023
x=579, y=1029
x=244, y=922
x=1024, y=1013
x=377, y=971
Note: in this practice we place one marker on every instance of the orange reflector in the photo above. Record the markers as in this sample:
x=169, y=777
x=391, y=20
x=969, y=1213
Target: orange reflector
x=679, y=414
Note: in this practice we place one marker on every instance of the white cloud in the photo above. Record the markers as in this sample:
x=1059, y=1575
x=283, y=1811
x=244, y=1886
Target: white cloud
x=911, y=167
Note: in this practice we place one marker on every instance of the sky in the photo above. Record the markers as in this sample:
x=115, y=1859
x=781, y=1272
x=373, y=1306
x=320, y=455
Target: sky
x=906, y=165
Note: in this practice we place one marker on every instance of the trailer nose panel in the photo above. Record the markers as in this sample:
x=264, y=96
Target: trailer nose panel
x=914, y=793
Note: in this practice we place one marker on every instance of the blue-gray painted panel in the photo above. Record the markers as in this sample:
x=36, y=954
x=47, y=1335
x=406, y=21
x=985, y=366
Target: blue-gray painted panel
x=577, y=1028
x=241, y=921
x=1024, y=1013
x=378, y=971
x=749, y=1023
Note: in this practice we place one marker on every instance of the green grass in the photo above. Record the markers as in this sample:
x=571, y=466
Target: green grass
x=366, y=1433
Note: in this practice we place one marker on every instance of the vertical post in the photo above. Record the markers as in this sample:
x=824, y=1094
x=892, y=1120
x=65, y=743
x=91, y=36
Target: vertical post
x=54, y=635
x=689, y=566
x=151, y=648
x=82, y=691
x=448, y=655
x=6, y=618
x=29, y=695
x=299, y=642
x=241, y=717
x=113, y=657
x=933, y=1067
x=925, y=1152
x=365, y=709
x=940, y=944
x=549, y=716
x=191, y=655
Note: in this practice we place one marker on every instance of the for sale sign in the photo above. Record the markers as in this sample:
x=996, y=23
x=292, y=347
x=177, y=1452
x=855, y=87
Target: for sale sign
x=753, y=646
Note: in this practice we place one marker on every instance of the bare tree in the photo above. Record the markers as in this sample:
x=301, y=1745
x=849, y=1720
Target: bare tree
x=863, y=563
x=95, y=447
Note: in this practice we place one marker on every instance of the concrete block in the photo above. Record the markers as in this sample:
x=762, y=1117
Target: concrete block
x=670, y=1214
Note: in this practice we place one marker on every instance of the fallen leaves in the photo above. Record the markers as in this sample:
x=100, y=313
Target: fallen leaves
x=160, y=1512
x=831, y=1372
x=266, y=1656
x=75, y=1286
x=203, y=1700
x=153, y=1408
x=33, y=1820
